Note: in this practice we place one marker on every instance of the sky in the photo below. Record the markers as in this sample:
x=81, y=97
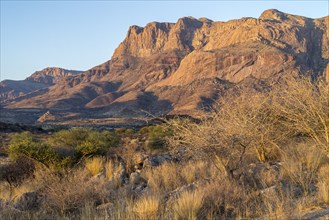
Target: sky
x=79, y=35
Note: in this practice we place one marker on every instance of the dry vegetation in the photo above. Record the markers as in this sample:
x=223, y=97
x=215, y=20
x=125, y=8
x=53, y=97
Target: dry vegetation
x=264, y=155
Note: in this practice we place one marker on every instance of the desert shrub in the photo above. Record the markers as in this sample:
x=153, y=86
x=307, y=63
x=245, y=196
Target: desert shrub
x=303, y=107
x=301, y=164
x=85, y=141
x=112, y=139
x=241, y=131
x=70, y=192
x=18, y=171
x=124, y=131
x=94, y=144
x=24, y=144
x=157, y=135
x=224, y=199
x=323, y=183
x=144, y=130
x=69, y=138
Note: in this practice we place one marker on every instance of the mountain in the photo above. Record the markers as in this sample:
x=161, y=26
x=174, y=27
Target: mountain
x=185, y=67
x=11, y=89
x=51, y=75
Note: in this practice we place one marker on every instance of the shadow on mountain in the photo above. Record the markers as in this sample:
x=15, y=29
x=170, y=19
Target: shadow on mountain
x=87, y=93
x=146, y=104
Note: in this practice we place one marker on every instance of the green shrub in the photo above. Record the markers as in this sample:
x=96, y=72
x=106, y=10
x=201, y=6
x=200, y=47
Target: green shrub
x=157, y=135
x=24, y=144
x=124, y=131
x=69, y=138
x=85, y=141
x=97, y=143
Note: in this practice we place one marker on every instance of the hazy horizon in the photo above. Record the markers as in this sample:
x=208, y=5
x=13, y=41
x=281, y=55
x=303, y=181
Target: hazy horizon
x=79, y=35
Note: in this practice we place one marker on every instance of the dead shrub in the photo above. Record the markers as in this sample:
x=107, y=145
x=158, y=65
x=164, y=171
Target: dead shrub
x=18, y=171
x=71, y=191
x=300, y=165
x=323, y=183
x=303, y=107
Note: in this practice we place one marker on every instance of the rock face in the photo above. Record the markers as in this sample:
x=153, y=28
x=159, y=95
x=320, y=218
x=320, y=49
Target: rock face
x=40, y=80
x=51, y=75
x=184, y=67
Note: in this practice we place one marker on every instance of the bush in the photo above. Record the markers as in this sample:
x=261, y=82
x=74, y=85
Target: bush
x=69, y=138
x=323, y=183
x=70, y=192
x=157, y=135
x=17, y=172
x=301, y=164
x=242, y=130
x=97, y=143
x=85, y=141
x=303, y=107
x=24, y=144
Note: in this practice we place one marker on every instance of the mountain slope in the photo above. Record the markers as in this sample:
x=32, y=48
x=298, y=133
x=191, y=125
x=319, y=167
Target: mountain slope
x=183, y=67
x=11, y=89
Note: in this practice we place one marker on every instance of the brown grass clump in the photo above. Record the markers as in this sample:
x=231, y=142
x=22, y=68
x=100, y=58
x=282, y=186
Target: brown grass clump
x=163, y=178
x=147, y=207
x=188, y=205
x=94, y=165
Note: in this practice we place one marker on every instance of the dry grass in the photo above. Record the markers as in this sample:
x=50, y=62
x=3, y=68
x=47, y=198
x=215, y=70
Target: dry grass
x=110, y=169
x=72, y=191
x=188, y=205
x=147, y=207
x=94, y=165
x=163, y=178
x=300, y=164
x=323, y=183
x=10, y=194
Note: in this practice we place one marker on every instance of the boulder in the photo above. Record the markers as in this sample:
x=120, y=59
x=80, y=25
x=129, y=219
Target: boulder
x=136, y=179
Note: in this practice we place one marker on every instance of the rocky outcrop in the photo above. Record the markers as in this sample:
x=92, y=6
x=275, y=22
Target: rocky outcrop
x=185, y=67
x=48, y=116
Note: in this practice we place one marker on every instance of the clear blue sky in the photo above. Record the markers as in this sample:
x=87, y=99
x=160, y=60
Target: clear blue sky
x=81, y=34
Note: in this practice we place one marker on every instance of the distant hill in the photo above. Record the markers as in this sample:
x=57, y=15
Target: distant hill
x=11, y=89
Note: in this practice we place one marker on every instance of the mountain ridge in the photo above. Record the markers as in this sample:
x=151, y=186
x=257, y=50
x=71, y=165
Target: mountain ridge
x=184, y=67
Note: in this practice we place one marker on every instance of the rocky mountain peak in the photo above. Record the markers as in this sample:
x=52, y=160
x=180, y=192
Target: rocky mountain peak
x=273, y=14
x=51, y=75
